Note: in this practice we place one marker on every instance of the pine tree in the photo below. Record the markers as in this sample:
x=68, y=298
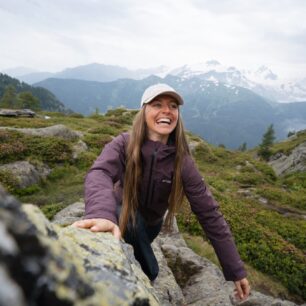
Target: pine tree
x=9, y=98
x=266, y=143
x=27, y=100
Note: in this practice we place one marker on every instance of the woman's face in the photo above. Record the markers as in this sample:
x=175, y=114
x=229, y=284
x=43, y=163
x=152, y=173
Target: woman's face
x=161, y=116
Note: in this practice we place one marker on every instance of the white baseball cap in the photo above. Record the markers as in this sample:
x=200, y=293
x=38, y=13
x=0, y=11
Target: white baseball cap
x=160, y=89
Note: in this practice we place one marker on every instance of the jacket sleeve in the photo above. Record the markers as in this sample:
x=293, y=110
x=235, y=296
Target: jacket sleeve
x=217, y=230
x=100, y=199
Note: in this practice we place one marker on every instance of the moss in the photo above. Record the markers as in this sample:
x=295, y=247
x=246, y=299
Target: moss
x=250, y=178
x=8, y=181
x=204, y=153
x=60, y=172
x=28, y=190
x=50, y=210
x=85, y=160
x=16, y=146
x=95, y=141
x=266, y=170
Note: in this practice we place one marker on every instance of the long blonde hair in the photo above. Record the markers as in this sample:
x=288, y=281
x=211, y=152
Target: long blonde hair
x=133, y=171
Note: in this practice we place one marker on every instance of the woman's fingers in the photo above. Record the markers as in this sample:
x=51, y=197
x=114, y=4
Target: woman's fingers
x=99, y=225
x=84, y=223
x=239, y=292
x=242, y=289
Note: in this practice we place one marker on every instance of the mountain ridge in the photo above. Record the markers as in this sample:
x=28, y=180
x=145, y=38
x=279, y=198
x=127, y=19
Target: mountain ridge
x=220, y=113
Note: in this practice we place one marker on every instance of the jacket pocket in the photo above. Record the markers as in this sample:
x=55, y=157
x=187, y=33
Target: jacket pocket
x=160, y=196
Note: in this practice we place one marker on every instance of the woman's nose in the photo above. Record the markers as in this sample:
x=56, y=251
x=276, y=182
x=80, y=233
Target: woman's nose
x=166, y=109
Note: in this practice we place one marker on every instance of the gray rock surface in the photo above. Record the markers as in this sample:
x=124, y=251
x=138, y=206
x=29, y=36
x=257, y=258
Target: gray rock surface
x=79, y=148
x=44, y=264
x=25, y=173
x=58, y=130
x=185, y=278
x=296, y=161
x=70, y=214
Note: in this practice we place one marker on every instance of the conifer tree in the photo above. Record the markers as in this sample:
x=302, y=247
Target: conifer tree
x=9, y=98
x=266, y=143
x=27, y=100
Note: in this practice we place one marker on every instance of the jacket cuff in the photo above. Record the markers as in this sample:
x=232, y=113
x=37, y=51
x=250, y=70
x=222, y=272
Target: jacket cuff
x=235, y=275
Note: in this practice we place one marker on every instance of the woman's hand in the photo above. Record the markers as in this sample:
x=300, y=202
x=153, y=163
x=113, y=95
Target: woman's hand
x=99, y=225
x=242, y=290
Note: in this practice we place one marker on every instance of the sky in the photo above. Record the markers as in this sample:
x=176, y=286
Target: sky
x=51, y=35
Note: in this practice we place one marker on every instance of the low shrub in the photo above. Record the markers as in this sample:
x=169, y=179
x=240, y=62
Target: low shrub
x=85, y=160
x=249, y=178
x=50, y=149
x=8, y=181
x=28, y=190
x=51, y=209
x=95, y=141
x=203, y=153
x=61, y=171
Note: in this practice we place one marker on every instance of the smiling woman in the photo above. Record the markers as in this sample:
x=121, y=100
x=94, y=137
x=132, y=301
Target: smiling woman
x=142, y=174
x=161, y=116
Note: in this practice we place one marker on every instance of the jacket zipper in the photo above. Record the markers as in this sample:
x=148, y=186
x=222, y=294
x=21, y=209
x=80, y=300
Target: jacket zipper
x=150, y=184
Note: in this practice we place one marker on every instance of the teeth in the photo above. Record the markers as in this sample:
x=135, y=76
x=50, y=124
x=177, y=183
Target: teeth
x=164, y=120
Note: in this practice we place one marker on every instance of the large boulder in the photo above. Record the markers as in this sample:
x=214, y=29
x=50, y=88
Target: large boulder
x=184, y=278
x=44, y=264
x=58, y=130
x=296, y=161
x=25, y=174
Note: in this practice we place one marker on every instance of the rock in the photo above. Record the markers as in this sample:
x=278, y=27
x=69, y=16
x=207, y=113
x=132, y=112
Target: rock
x=296, y=161
x=168, y=291
x=79, y=148
x=44, y=264
x=257, y=299
x=184, y=279
x=17, y=112
x=25, y=173
x=69, y=214
x=192, y=145
x=58, y=130
x=202, y=283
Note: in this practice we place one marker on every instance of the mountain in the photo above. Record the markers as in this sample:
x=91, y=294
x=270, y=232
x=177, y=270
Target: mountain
x=218, y=112
x=35, y=77
x=94, y=72
x=18, y=71
x=262, y=81
x=47, y=99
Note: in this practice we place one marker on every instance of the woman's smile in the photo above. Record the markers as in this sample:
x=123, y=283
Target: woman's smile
x=161, y=117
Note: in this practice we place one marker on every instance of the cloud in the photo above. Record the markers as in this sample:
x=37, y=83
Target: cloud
x=52, y=35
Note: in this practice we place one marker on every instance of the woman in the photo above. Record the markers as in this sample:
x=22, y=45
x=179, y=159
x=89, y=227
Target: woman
x=140, y=175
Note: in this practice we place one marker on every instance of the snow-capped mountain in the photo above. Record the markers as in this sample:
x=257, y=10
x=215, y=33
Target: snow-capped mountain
x=263, y=81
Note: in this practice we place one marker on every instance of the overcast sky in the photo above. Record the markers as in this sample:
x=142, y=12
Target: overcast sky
x=50, y=35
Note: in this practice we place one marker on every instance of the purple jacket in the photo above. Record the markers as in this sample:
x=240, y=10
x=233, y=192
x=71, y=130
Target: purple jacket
x=101, y=197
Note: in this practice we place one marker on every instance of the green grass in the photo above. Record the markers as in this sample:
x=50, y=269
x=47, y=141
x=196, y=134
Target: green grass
x=266, y=240
x=287, y=146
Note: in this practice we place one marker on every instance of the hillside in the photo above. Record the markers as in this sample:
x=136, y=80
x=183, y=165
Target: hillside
x=48, y=101
x=218, y=112
x=247, y=189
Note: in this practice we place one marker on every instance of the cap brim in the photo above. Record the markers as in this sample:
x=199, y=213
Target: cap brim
x=174, y=95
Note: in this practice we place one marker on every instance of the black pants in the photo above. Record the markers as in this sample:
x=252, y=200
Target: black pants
x=140, y=237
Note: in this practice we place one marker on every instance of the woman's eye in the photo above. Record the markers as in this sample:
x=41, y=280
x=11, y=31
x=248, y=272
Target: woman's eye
x=174, y=106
